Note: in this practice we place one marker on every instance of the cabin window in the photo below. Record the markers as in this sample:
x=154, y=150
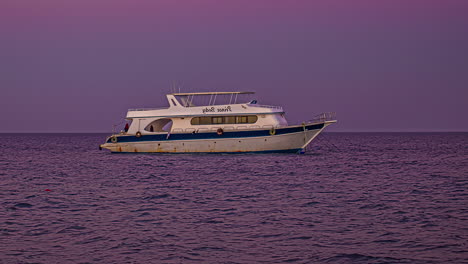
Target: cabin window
x=217, y=120
x=195, y=121
x=241, y=119
x=252, y=119
x=229, y=119
x=207, y=120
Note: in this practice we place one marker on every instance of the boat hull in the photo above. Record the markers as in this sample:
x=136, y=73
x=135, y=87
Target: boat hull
x=291, y=139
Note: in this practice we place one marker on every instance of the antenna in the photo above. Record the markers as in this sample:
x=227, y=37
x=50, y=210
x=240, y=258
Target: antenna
x=180, y=84
x=173, y=87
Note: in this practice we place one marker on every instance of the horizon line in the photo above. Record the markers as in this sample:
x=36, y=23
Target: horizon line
x=380, y=131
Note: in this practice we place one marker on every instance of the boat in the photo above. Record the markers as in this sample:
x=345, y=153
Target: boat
x=214, y=122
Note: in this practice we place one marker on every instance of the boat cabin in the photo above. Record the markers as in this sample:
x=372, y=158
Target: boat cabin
x=206, y=112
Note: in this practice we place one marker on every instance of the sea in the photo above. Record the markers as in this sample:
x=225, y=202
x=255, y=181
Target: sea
x=351, y=198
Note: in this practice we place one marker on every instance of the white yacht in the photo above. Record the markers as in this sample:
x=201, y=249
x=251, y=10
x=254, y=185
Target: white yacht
x=214, y=122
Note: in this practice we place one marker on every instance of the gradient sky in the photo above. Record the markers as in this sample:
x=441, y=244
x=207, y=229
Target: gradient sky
x=382, y=65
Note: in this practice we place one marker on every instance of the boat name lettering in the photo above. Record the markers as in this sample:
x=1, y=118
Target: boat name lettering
x=212, y=109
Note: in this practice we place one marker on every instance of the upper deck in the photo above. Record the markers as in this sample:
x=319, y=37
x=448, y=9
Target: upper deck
x=206, y=104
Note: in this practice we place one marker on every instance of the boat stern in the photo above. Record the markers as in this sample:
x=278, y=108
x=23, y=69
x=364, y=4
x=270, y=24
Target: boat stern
x=109, y=144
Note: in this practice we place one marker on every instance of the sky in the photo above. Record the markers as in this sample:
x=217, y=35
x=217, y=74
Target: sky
x=385, y=65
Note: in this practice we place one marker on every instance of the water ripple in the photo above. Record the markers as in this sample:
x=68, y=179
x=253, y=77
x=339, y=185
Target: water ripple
x=374, y=198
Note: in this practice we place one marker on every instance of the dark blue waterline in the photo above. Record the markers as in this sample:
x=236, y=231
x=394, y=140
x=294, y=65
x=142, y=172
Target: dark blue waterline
x=280, y=151
x=214, y=135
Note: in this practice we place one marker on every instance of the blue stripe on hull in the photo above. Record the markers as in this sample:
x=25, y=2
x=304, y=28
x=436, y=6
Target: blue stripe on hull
x=238, y=152
x=213, y=135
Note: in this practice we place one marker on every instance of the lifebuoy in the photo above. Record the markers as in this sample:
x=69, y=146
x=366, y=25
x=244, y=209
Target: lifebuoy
x=220, y=131
x=114, y=139
x=138, y=134
x=272, y=131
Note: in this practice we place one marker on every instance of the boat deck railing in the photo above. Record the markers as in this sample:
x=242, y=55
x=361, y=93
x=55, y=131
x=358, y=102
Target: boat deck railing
x=266, y=106
x=323, y=117
x=147, y=109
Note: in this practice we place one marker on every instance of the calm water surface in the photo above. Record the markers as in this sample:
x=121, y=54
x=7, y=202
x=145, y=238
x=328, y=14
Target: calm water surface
x=353, y=198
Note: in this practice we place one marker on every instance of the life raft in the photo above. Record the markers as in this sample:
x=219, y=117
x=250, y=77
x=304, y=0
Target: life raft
x=220, y=131
x=114, y=139
x=138, y=134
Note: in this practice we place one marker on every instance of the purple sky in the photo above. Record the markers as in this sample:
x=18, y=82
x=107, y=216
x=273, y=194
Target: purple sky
x=77, y=66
